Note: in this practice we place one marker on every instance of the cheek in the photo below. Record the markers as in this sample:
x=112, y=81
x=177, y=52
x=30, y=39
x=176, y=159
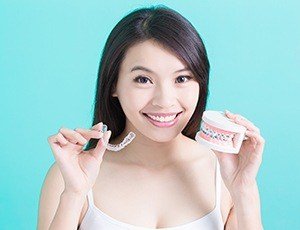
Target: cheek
x=190, y=97
x=134, y=100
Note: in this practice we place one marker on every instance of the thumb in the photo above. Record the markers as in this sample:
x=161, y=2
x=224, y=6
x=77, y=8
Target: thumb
x=101, y=145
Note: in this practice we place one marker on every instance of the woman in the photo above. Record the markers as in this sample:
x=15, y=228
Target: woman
x=154, y=63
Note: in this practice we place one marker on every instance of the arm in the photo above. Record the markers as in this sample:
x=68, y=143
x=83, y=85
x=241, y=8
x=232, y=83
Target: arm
x=57, y=208
x=245, y=214
x=68, y=212
x=239, y=173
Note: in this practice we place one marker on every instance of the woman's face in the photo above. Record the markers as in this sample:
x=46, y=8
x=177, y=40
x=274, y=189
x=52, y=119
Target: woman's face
x=158, y=88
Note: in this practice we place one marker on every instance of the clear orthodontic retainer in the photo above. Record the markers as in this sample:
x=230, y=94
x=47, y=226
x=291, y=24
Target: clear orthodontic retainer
x=126, y=141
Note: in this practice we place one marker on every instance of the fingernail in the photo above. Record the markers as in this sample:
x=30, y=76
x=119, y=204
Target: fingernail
x=108, y=134
x=106, y=137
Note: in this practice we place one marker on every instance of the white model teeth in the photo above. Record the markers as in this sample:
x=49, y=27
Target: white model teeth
x=163, y=119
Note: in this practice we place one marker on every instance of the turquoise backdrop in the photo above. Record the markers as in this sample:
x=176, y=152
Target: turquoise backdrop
x=49, y=56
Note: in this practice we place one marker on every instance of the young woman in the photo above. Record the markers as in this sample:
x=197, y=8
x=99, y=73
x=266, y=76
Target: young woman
x=154, y=63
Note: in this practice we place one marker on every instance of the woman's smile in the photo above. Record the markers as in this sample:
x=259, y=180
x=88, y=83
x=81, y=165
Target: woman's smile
x=163, y=122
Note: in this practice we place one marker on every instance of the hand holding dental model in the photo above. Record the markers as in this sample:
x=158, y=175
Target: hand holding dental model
x=238, y=145
x=80, y=168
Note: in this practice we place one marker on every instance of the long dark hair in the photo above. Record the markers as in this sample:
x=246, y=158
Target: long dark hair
x=171, y=30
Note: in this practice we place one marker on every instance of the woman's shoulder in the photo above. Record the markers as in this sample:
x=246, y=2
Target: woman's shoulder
x=52, y=188
x=199, y=151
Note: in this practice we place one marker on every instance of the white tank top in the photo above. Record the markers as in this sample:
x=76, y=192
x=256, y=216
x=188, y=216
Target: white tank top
x=95, y=219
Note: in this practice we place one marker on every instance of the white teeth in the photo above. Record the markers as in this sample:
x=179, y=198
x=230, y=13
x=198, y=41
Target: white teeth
x=163, y=119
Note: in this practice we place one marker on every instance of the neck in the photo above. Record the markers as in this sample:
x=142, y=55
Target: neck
x=148, y=153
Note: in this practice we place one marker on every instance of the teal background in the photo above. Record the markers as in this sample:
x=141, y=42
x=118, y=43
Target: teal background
x=49, y=56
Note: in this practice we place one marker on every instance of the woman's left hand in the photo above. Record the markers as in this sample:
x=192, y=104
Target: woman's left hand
x=239, y=170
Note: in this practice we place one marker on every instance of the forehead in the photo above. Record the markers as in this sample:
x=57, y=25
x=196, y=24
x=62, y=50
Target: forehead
x=153, y=56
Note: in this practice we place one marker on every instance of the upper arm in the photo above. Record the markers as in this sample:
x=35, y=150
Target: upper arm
x=52, y=188
x=231, y=222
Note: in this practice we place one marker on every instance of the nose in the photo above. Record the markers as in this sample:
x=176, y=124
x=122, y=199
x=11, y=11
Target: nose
x=164, y=97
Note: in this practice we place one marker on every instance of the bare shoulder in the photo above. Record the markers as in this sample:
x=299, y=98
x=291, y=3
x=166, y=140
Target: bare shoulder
x=53, y=186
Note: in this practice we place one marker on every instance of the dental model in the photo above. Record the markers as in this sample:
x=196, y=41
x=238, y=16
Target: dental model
x=123, y=144
x=220, y=133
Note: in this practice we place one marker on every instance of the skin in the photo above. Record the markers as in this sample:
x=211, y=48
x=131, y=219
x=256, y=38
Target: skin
x=161, y=157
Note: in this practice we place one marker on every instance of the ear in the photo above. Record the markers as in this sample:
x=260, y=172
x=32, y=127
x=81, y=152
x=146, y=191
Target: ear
x=114, y=94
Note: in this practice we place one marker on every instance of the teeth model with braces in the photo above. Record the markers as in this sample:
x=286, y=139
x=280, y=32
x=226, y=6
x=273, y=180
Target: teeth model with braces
x=126, y=141
x=220, y=133
x=221, y=137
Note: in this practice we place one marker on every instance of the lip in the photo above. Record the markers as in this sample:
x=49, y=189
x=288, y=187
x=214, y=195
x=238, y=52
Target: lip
x=164, y=124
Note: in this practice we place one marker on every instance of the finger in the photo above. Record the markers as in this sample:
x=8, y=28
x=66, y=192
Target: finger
x=73, y=136
x=57, y=139
x=98, y=126
x=88, y=133
x=259, y=146
x=101, y=145
x=239, y=119
x=255, y=136
x=249, y=125
x=55, y=143
x=107, y=137
x=235, y=115
x=61, y=139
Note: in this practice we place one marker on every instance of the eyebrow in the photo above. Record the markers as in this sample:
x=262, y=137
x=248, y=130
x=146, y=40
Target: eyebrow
x=151, y=71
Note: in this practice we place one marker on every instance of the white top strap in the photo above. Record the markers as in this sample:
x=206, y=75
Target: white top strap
x=218, y=184
x=90, y=198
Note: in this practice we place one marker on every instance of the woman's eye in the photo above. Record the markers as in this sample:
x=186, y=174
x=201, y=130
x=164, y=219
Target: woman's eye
x=140, y=77
x=187, y=77
x=145, y=79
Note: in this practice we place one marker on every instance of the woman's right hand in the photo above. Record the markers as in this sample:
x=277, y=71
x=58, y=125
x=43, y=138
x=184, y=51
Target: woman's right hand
x=79, y=168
